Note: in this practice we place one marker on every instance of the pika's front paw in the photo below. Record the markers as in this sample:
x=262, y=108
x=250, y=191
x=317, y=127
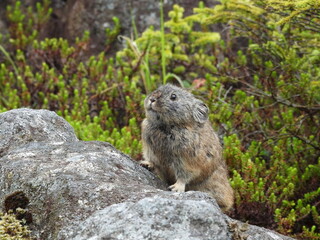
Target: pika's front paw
x=178, y=187
x=147, y=164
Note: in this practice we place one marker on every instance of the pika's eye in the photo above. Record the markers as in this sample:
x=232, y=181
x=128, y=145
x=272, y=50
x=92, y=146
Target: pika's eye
x=173, y=97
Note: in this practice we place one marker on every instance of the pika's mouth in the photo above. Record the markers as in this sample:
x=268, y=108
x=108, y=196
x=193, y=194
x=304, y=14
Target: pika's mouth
x=151, y=107
x=152, y=103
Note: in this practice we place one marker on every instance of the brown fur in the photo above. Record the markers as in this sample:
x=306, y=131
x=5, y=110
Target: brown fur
x=181, y=147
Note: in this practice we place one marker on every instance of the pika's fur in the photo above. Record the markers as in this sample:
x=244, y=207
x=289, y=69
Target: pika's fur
x=181, y=147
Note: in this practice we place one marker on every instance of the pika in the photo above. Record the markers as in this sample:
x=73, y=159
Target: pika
x=181, y=147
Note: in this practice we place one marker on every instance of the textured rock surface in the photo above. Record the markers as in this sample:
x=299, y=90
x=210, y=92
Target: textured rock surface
x=72, y=189
x=157, y=218
x=66, y=182
x=190, y=217
x=21, y=126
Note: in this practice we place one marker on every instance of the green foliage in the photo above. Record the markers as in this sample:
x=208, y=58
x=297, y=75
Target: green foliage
x=184, y=48
x=271, y=119
x=13, y=229
x=163, y=54
x=296, y=9
x=260, y=78
x=26, y=23
x=112, y=34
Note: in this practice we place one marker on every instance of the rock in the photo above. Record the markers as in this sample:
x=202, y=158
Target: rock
x=71, y=189
x=156, y=218
x=168, y=218
x=21, y=126
x=67, y=182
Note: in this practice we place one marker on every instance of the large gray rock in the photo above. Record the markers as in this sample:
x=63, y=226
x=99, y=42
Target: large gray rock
x=157, y=218
x=72, y=189
x=21, y=126
x=192, y=216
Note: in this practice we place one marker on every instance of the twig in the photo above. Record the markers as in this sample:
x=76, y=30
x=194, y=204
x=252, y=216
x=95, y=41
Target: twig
x=106, y=90
x=283, y=101
x=304, y=140
x=306, y=215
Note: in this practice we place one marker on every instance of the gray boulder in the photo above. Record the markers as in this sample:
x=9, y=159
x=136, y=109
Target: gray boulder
x=157, y=218
x=71, y=189
x=192, y=216
x=21, y=126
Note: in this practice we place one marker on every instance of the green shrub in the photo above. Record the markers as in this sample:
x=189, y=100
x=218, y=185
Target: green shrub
x=271, y=114
x=260, y=78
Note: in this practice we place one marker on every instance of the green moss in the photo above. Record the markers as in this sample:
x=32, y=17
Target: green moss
x=13, y=229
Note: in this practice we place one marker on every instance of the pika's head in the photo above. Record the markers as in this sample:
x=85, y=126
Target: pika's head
x=173, y=105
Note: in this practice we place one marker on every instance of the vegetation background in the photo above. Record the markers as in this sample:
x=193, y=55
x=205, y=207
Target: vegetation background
x=260, y=77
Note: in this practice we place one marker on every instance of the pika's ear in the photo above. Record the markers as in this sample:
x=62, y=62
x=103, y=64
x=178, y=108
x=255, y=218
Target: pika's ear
x=200, y=112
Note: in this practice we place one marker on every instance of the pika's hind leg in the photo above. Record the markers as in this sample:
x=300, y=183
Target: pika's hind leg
x=218, y=186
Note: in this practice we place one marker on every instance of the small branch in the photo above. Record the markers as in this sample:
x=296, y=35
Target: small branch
x=104, y=91
x=304, y=140
x=306, y=215
x=282, y=100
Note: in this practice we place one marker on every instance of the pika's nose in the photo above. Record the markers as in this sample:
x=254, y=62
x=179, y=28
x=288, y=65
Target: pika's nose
x=152, y=99
x=154, y=96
